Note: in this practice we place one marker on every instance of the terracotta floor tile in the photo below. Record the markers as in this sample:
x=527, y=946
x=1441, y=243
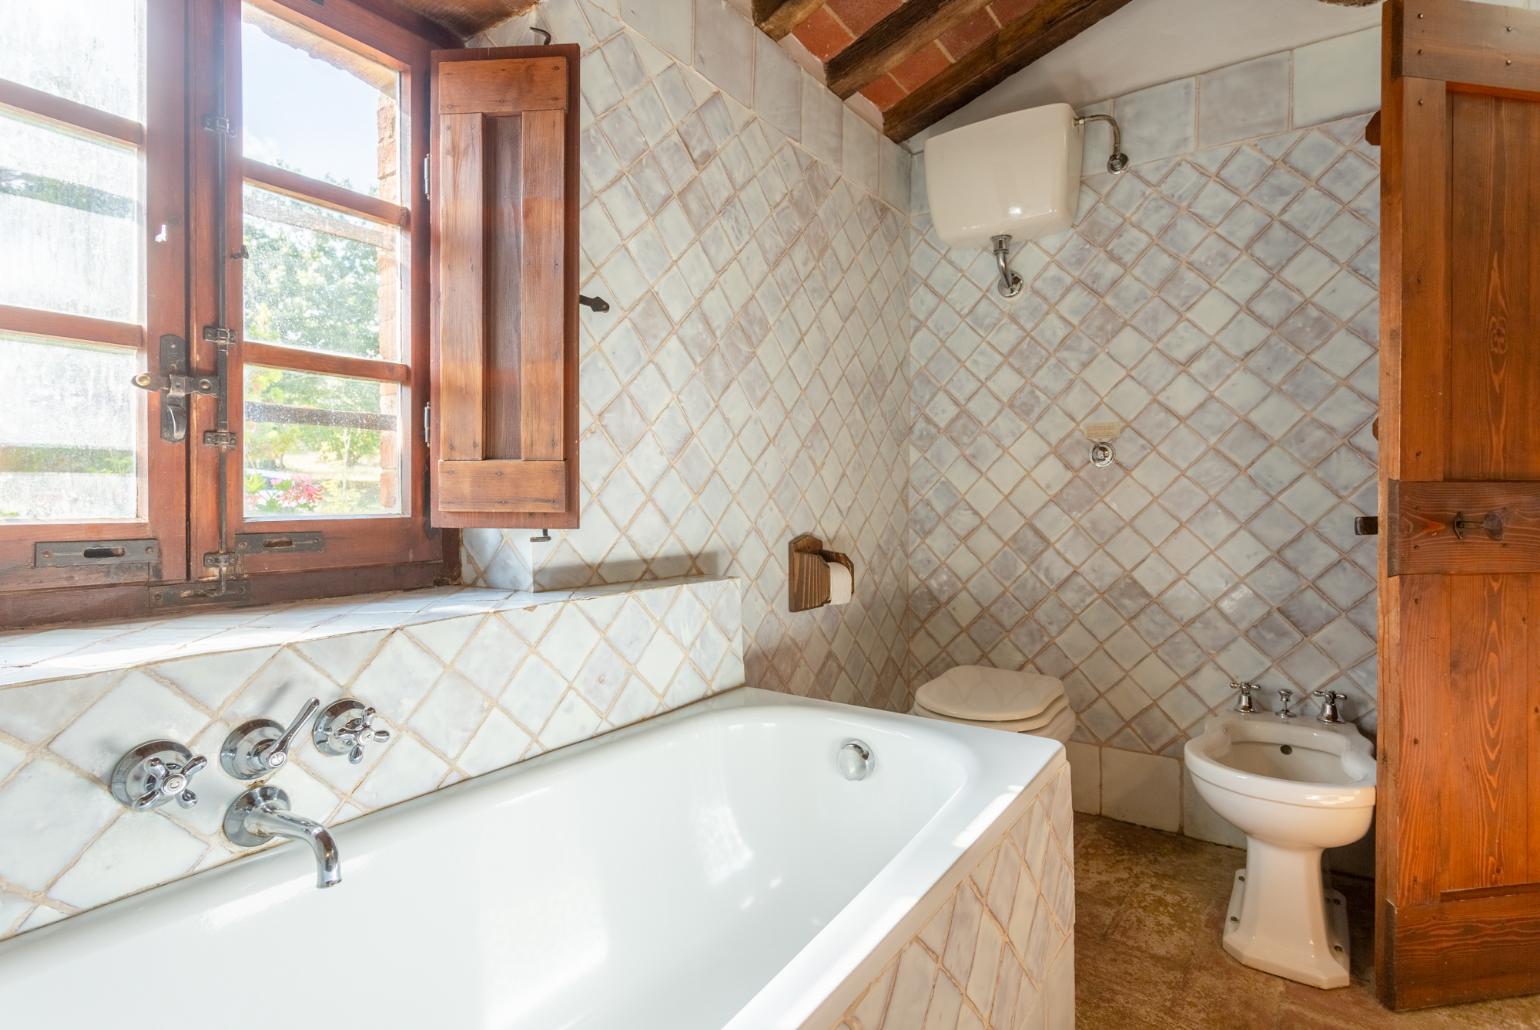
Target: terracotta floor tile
x=1149, y=909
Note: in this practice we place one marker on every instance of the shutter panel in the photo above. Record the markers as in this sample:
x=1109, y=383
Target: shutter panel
x=503, y=444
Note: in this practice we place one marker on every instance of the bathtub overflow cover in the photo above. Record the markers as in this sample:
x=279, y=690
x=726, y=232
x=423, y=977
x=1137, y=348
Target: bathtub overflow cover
x=855, y=759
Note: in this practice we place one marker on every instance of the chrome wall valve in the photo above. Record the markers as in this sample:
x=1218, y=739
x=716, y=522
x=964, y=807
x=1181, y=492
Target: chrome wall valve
x=260, y=747
x=344, y=727
x=154, y=773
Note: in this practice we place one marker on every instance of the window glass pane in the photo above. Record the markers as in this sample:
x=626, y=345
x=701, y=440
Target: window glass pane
x=319, y=445
x=320, y=280
x=88, y=51
x=315, y=108
x=83, y=467
x=71, y=219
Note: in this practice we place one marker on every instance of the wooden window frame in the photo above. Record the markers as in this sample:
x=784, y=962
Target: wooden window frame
x=182, y=480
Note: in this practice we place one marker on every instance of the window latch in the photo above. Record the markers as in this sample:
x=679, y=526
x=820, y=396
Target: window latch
x=175, y=383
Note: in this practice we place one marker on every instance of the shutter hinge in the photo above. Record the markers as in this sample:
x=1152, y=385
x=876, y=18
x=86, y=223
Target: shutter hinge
x=218, y=334
x=426, y=193
x=223, y=560
x=218, y=123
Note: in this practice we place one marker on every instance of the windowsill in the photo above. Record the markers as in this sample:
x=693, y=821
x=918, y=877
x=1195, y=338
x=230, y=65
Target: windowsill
x=31, y=656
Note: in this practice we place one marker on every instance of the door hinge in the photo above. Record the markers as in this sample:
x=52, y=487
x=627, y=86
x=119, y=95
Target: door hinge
x=427, y=424
x=225, y=561
x=225, y=441
x=218, y=123
x=218, y=334
x=427, y=194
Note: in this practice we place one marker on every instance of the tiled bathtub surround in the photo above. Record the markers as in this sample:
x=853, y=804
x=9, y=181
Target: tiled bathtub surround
x=749, y=382
x=467, y=681
x=1221, y=304
x=997, y=945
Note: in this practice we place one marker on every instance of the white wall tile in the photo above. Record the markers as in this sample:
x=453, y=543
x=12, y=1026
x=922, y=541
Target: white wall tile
x=1158, y=122
x=822, y=122
x=778, y=84
x=724, y=48
x=859, y=146
x=1143, y=789
x=668, y=23
x=1244, y=100
x=1085, y=766
x=1337, y=77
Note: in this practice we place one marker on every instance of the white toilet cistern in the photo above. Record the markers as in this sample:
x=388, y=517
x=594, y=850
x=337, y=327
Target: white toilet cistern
x=1014, y=177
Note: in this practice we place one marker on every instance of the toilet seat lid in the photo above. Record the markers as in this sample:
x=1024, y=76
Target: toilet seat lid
x=982, y=694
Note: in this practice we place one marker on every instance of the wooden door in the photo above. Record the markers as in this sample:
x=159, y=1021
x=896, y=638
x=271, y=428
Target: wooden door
x=503, y=438
x=1459, y=783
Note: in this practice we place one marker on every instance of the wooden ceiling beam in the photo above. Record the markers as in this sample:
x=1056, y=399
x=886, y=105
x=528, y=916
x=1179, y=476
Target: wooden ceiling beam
x=776, y=18
x=1044, y=28
x=892, y=41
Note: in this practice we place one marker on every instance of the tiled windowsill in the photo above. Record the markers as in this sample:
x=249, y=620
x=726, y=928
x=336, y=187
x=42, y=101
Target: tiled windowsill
x=36, y=655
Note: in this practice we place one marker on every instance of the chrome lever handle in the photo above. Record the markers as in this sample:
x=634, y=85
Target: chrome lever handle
x=261, y=746
x=278, y=752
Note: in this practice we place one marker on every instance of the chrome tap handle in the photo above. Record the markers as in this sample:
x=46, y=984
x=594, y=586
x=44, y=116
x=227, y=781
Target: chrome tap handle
x=345, y=727
x=1285, y=698
x=361, y=731
x=154, y=773
x=1244, y=702
x=1330, y=712
x=259, y=747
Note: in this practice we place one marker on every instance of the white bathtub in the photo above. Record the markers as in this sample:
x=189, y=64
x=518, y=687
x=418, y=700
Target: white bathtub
x=710, y=868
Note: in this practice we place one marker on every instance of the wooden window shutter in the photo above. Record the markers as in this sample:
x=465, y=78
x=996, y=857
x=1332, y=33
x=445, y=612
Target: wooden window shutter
x=503, y=439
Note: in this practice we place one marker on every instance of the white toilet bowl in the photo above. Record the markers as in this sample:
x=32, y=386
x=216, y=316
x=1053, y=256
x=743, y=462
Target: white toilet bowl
x=1294, y=788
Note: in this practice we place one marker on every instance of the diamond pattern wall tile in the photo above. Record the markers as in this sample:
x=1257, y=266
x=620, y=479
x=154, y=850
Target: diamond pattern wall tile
x=1234, y=339
x=456, y=683
x=750, y=382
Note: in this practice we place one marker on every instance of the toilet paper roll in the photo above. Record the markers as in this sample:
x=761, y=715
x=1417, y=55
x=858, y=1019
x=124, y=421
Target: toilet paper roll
x=841, y=585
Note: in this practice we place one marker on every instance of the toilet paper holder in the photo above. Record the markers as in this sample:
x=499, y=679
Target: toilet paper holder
x=808, y=572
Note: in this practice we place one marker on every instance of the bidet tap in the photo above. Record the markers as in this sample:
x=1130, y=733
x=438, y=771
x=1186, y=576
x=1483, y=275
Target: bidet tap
x=1244, y=702
x=1330, y=713
x=1286, y=698
x=262, y=813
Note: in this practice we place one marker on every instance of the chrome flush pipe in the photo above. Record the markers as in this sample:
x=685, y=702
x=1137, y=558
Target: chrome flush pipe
x=1118, y=160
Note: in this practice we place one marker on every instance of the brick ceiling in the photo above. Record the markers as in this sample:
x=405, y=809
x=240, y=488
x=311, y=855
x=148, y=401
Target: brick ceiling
x=919, y=60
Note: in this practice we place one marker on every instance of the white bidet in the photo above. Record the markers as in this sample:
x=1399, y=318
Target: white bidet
x=1294, y=788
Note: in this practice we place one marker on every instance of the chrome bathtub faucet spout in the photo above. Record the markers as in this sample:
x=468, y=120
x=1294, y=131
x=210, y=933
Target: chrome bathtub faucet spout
x=262, y=813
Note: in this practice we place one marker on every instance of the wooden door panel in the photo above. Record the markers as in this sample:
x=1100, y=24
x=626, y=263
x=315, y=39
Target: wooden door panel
x=1495, y=369
x=1459, y=795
